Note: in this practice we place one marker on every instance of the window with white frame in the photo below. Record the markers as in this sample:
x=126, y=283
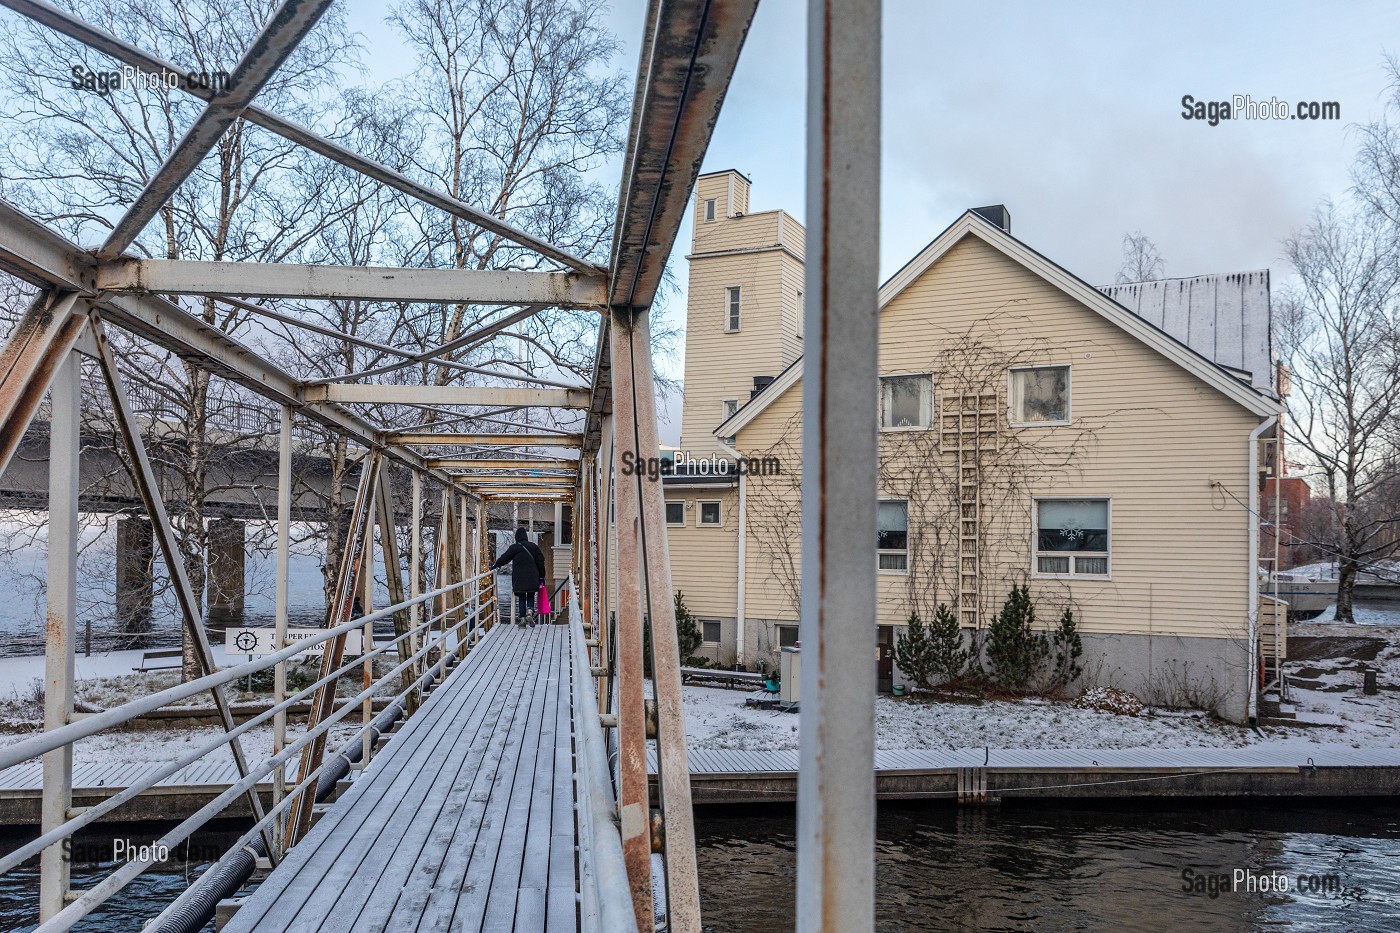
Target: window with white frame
x=787, y=636
x=710, y=632
x=1040, y=395
x=1072, y=537
x=728, y=409
x=906, y=402
x=709, y=209
x=732, y=302
x=709, y=513
x=675, y=513
x=893, y=535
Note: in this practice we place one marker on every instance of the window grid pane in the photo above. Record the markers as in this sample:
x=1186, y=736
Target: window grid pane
x=1046, y=564
x=906, y=401
x=1091, y=565
x=1040, y=395
x=709, y=513
x=675, y=513
x=894, y=561
x=733, y=299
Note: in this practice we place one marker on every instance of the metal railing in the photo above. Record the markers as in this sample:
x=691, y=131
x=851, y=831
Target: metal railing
x=474, y=598
x=605, y=899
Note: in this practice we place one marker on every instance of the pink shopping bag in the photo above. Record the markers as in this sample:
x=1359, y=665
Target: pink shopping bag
x=542, y=603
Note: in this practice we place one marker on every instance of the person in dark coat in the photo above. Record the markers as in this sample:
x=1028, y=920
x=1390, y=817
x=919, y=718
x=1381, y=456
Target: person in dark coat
x=526, y=572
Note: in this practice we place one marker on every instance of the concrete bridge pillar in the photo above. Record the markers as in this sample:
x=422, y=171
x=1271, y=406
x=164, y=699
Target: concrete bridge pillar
x=226, y=555
x=135, y=586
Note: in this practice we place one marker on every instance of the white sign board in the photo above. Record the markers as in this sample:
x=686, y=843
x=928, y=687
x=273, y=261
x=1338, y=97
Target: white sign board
x=261, y=640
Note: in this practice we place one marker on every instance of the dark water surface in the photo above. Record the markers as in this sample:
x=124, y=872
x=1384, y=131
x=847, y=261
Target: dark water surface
x=1030, y=868
x=93, y=860
x=1009, y=868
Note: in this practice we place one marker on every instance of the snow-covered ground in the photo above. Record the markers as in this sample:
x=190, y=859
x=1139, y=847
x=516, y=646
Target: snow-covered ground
x=1326, y=694
x=157, y=745
x=1363, y=614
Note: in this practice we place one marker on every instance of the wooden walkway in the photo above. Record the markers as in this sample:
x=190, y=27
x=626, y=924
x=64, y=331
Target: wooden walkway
x=464, y=822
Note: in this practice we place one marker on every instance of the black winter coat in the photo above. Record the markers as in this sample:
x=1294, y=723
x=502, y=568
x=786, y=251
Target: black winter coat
x=526, y=566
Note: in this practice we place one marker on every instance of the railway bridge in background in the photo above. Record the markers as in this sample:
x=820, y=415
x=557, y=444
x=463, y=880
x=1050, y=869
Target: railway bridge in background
x=498, y=777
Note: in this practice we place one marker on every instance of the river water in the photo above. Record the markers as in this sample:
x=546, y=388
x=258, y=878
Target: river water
x=1009, y=868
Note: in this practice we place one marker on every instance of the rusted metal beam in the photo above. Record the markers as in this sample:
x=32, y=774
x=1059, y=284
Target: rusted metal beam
x=285, y=29
x=37, y=348
x=515, y=396
x=445, y=439
x=632, y=793
x=635, y=402
x=164, y=533
x=49, y=260
x=461, y=463
x=358, y=548
x=121, y=51
x=840, y=456
x=368, y=283
x=689, y=59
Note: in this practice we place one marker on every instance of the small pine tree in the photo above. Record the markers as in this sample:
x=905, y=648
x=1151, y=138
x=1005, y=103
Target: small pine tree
x=913, y=652
x=688, y=634
x=1015, y=650
x=1066, y=647
x=948, y=656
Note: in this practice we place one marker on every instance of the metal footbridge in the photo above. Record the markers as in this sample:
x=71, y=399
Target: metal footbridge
x=460, y=774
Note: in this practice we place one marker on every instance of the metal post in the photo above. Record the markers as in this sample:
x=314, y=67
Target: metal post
x=415, y=563
x=279, y=673
x=464, y=542
x=478, y=565
x=633, y=380
x=836, y=786
x=367, y=639
x=60, y=628
x=633, y=793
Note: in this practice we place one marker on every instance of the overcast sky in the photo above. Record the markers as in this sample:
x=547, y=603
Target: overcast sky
x=1070, y=114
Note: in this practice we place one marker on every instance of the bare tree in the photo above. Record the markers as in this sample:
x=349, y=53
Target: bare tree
x=1376, y=172
x=77, y=158
x=1338, y=333
x=518, y=106
x=1141, y=260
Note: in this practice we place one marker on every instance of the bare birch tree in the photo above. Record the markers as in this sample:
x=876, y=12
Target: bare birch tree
x=76, y=158
x=1141, y=260
x=1338, y=333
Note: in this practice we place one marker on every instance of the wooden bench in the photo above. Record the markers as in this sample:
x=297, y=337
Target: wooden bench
x=742, y=680
x=159, y=654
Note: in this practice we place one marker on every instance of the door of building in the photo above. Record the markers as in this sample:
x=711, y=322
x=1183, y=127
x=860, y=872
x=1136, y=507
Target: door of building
x=884, y=655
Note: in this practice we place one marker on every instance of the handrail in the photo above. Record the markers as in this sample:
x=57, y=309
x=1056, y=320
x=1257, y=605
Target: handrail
x=22, y=751
x=606, y=899
x=150, y=779
x=95, y=896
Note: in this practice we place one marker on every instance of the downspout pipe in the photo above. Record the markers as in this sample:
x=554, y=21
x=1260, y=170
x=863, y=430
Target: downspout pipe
x=739, y=608
x=1252, y=516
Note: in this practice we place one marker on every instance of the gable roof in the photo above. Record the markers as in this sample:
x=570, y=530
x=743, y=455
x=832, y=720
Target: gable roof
x=971, y=224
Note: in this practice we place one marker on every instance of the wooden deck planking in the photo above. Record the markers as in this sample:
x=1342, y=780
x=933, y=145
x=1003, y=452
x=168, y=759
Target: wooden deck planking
x=316, y=871
x=438, y=799
x=378, y=879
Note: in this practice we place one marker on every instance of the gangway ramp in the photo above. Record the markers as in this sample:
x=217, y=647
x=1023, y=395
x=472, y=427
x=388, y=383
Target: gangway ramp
x=465, y=821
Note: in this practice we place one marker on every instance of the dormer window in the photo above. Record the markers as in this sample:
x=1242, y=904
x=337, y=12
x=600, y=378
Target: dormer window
x=709, y=210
